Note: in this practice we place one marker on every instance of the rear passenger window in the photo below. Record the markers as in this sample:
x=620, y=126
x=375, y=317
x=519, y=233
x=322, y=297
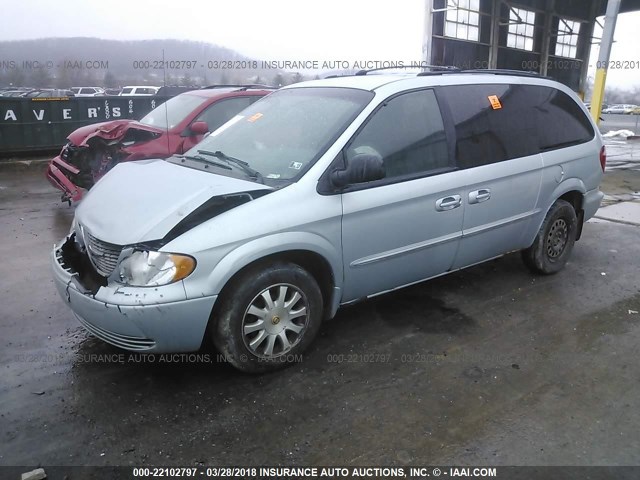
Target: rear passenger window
x=489, y=132
x=407, y=133
x=525, y=120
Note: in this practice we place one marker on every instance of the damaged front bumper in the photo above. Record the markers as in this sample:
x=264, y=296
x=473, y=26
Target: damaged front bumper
x=142, y=319
x=59, y=179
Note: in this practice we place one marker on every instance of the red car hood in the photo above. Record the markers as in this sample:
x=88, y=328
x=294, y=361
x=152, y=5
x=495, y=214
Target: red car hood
x=112, y=130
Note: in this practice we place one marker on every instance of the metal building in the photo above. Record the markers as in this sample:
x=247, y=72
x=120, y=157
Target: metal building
x=551, y=37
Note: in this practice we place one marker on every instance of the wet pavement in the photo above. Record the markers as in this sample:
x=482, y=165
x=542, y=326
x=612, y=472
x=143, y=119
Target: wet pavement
x=491, y=365
x=622, y=182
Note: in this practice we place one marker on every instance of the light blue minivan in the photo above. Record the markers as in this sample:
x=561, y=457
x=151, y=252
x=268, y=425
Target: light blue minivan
x=326, y=193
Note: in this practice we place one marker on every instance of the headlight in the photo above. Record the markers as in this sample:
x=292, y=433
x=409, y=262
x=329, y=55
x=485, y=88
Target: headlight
x=151, y=269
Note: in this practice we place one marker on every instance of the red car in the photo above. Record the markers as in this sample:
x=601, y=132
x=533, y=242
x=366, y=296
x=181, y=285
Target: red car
x=171, y=128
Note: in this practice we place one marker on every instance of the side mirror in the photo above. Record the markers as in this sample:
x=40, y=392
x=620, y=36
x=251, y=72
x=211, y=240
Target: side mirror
x=199, y=128
x=362, y=168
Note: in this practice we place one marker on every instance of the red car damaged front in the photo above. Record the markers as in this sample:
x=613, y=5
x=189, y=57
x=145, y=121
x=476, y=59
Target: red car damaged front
x=171, y=128
x=93, y=150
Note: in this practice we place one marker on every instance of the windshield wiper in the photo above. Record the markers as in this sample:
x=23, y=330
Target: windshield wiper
x=236, y=161
x=206, y=160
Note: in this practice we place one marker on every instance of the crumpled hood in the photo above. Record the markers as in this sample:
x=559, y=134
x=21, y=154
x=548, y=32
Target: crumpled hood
x=143, y=200
x=113, y=130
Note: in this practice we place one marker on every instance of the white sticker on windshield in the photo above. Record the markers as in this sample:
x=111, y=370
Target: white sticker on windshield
x=273, y=175
x=296, y=165
x=222, y=128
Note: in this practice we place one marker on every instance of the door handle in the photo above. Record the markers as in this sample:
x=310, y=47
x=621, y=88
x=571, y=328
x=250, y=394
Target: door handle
x=448, y=203
x=479, y=196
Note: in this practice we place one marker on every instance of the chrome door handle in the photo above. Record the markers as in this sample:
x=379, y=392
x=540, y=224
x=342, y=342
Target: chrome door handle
x=448, y=203
x=480, y=196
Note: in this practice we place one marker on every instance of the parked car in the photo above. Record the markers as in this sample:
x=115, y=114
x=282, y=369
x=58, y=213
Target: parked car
x=139, y=91
x=48, y=93
x=13, y=93
x=619, y=109
x=112, y=91
x=172, y=90
x=88, y=91
x=173, y=127
x=323, y=194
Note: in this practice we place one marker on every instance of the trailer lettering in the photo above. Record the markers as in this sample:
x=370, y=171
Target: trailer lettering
x=66, y=113
x=10, y=116
x=40, y=115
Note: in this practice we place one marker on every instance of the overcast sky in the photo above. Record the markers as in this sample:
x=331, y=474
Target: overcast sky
x=265, y=29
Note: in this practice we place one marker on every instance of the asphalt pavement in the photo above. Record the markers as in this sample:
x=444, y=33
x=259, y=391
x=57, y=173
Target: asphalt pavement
x=491, y=365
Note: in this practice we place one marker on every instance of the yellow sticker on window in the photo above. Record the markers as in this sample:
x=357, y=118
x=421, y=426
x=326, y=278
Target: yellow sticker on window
x=254, y=117
x=495, y=102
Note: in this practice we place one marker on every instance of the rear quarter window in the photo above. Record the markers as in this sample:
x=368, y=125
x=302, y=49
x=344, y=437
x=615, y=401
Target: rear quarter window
x=562, y=121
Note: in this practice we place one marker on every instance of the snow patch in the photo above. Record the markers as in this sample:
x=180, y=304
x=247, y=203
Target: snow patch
x=618, y=133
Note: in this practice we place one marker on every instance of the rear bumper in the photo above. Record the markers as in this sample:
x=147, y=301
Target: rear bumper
x=58, y=179
x=151, y=319
x=591, y=203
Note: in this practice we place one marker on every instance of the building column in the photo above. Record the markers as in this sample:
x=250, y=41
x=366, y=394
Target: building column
x=495, y=33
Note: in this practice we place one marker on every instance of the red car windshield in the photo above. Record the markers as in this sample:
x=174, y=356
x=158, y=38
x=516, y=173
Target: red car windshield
x=173, y=111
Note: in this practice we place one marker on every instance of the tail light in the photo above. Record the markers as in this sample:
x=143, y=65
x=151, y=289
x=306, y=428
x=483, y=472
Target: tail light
x=603, y=158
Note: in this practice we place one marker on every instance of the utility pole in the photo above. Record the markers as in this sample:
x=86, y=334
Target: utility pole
x=613, y=6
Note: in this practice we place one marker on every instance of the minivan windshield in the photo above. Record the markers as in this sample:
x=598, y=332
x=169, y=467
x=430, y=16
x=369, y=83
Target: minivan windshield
x=173, y=111
x=280, y=136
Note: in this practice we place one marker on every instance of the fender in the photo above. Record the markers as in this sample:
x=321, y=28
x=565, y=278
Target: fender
x=567, y=185
x=261, y=247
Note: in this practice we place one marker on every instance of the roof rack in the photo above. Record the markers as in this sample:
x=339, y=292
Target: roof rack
x=489, y=71
x=240, y=86
x=399, y=67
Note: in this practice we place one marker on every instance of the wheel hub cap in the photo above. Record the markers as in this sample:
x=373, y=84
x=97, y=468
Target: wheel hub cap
x=275, y=320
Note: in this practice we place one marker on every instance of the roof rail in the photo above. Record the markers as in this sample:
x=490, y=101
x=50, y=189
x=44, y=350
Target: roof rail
x=419, y=67
x=240, y=86
x=505, y=71
x=489, y=71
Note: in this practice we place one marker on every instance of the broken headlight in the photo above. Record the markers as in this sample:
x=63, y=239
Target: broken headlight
x=152, y=269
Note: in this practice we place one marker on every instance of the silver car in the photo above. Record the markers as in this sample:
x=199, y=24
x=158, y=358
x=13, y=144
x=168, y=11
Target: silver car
x=323, y=194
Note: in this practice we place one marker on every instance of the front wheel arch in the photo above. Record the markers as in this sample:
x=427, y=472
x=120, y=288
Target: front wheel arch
x=314, y=263
x=242, y=347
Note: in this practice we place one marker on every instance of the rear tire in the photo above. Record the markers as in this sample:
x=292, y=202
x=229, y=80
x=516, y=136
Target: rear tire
x=268, y=316
x=554, y=242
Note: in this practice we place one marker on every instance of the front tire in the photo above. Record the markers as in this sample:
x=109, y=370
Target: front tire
x=268, y=316
x=554, y=242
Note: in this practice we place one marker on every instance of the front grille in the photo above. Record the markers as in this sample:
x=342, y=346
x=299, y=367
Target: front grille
x=103, y=255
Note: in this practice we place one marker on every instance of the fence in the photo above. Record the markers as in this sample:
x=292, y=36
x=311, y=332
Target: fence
x=31, y=124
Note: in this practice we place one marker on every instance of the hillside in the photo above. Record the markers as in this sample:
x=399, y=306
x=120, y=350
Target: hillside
x=66, y=62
